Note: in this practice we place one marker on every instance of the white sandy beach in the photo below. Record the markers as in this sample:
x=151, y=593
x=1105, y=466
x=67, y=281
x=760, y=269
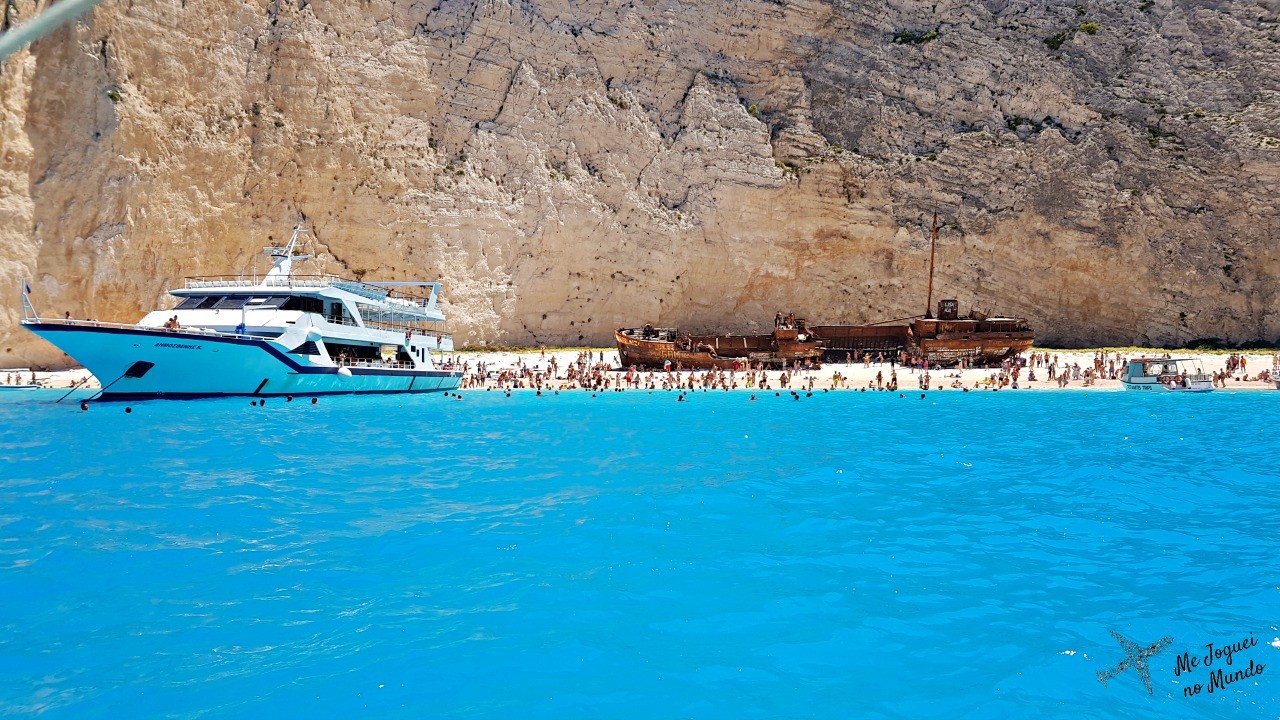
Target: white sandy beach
x=56, y=379
x=857, y=375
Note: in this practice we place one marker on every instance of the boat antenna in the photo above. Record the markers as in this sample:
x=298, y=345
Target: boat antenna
x=283, y=257
x=933, y=246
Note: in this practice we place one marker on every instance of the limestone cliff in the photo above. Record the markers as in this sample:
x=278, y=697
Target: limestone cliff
x=1109, y=170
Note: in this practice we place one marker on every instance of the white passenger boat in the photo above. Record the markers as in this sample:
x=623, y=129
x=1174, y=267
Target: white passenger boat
x=1165, y=374
x=285, y=334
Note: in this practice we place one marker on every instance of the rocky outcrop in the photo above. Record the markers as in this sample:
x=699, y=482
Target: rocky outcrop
x=1109, y=170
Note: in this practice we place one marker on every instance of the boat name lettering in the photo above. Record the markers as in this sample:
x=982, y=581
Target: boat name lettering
x=178, y=345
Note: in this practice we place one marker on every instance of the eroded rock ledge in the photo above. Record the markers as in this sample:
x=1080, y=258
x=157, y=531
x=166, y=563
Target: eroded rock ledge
x=1108, y=169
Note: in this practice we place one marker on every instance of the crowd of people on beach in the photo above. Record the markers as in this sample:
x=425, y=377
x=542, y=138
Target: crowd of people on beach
x=1237, y=362
x=15, y=378
x=591, y=370
x=598, y=371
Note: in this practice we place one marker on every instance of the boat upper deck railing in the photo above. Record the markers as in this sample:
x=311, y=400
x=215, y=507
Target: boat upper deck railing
x=197, y=331
x=209, y=332
x=421, y=327
x=379, y=364
x=370, y=290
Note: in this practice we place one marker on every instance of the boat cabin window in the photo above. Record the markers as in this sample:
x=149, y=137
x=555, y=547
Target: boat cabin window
x=197, y=302
x=304, y=304
x=234, y=302
x=256, y=303
x=249, y=302
x=1135, y=369
x=339, y=314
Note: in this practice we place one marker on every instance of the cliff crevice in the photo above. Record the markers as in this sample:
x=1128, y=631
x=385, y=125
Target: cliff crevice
x=1109, y=170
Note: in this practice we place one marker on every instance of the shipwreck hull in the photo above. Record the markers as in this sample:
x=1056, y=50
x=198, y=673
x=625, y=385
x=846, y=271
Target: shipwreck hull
x=720, y=351
x=842, y=341
x=947, y=340
x=945, y=351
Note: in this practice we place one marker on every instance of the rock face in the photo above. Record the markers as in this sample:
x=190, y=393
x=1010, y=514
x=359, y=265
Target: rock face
x=1109, y=170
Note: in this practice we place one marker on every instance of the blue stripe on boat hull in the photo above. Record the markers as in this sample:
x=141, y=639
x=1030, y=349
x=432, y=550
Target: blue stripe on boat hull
x=298, y=397
x=188, y=365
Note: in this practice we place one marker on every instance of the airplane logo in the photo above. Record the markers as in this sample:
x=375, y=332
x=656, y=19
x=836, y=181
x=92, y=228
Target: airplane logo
x=1136, y=658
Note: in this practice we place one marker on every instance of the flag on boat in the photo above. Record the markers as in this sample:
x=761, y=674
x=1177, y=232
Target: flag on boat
x=26, y=289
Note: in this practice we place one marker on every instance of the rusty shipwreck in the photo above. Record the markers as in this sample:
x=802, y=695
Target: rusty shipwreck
x=656, y=347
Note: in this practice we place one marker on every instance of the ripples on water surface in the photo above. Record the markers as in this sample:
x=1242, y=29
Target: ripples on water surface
x=845, y=555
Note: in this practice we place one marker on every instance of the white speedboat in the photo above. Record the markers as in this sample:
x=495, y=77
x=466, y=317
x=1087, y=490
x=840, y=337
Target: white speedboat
x=283, y=334
x=1165, y=374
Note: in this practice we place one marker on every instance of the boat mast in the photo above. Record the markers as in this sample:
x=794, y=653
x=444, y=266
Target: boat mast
x=933, y=246
x=284, y=257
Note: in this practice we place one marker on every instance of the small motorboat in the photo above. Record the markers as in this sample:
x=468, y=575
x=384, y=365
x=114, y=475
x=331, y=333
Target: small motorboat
x=1166, y=374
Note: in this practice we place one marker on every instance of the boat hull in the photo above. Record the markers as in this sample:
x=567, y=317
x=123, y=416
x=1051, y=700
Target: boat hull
x=195, y=365
x=944, y=343
x=1191, y=386
x=974, y=351
x=779, y=349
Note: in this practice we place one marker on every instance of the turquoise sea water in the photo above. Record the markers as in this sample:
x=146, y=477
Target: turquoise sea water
x=844, y=555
